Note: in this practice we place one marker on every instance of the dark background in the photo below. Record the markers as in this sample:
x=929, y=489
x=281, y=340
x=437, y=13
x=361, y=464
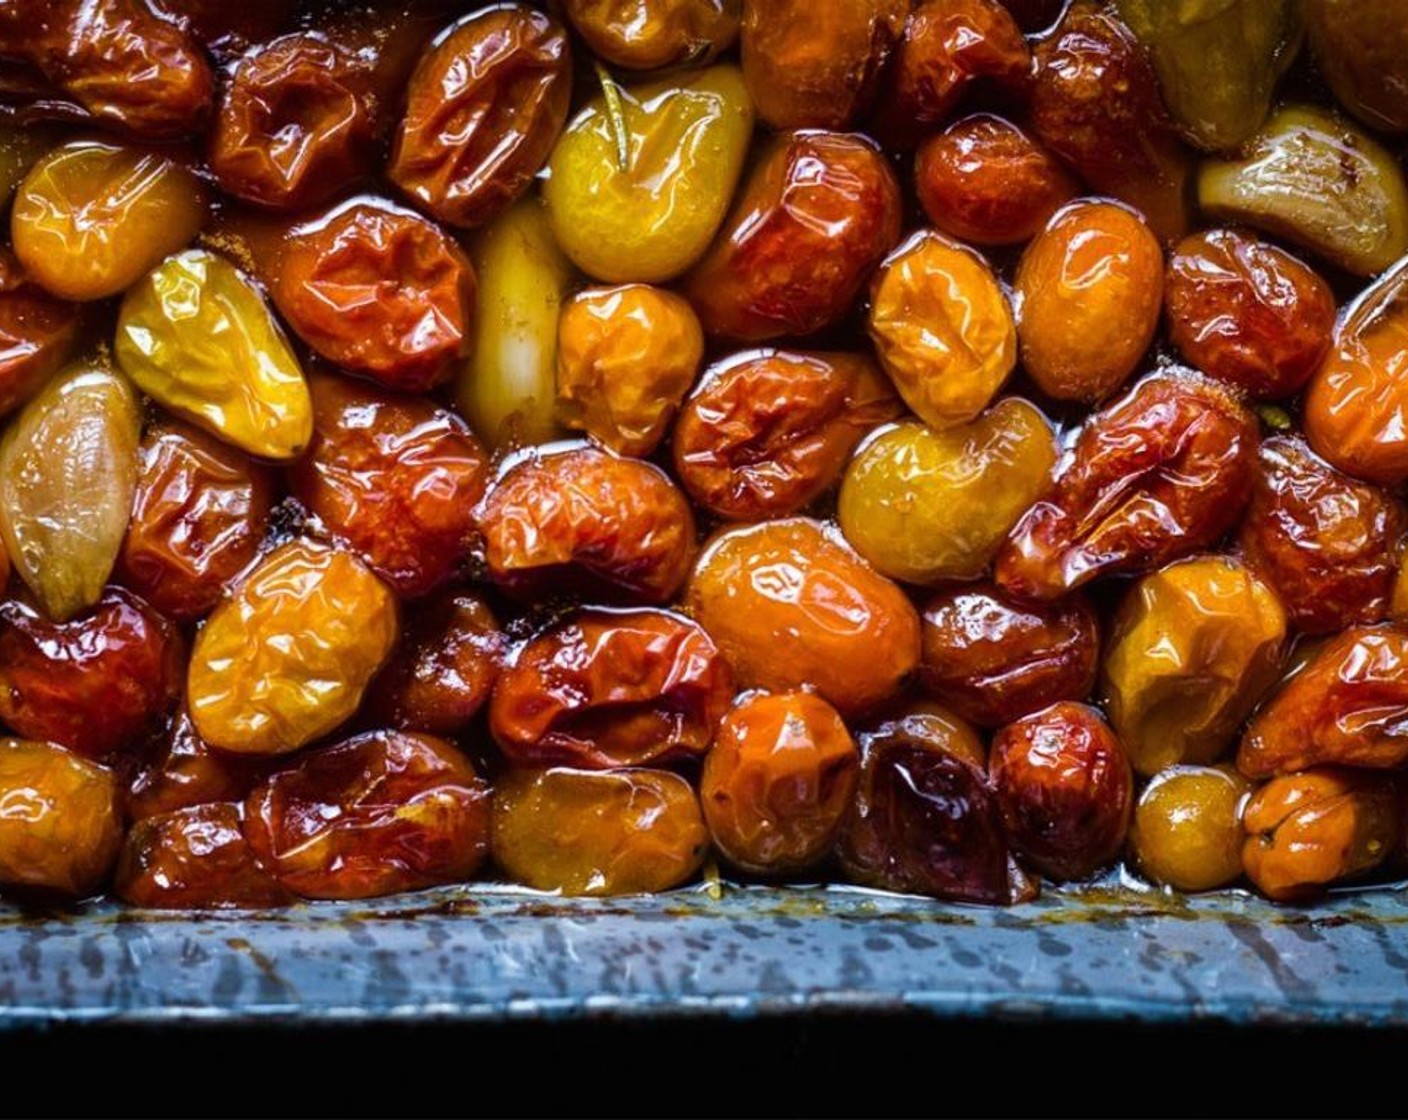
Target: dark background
x=834, y=1065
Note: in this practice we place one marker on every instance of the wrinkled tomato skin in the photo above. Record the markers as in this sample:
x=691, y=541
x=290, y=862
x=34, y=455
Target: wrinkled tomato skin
x=767, y=433
x=124, y=65
x=993, y=659
x=1307, y=831
x=1163, y=471
x=199, y=514
x=443, y=670
x=1066, y=789
x=396, y=477
x=179, y=769
x=484, y=107
x=584, y=522
x=1247, y=312
x=295, y=124
x=985, y=181
x=608, y=689
x=948, y=47
x=194, y=858
x=649, y=34
x=62, y=825
x=383, y=812
x=792, y=607
x=817, y=66
x=926, y=820
x=1095, y=103
x=380, y=292
x=1347, y=707
x=1327, y=543
x=37, y=334
x=778, y=781
x=598, y=832
x=94, y=684
x=814, y=219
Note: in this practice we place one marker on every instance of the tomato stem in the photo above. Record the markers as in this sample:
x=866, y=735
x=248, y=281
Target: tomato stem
x=615, y=114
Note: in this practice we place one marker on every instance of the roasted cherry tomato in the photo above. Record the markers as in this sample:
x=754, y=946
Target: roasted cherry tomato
x=1362, y=49
x=926, y=819
x=1065, y=786
x=286, y=658
x=1327, y=543
x=1308, y=831
x=1247, y=313
x=1090, y=287
x=199, y=514
x=483, y=110
x=778, y=781
x=994, y=660
x=96, y=683
x=384, y=812
x=1096, y=104
x=379, y=291
x=1187, y=827
x=395, y=477
x=1347, y=707
x=62, y=822
x=194, y=858
x=649, y=34
x=626, y=356
x=768, y=432
x=791, y=606
x=589, y=832
x=611, y=688
x=1162, y=472
x=296, y=123
x=816, y=216
x=583, y=521
x=444, y=668
x=984, y=180
x=817, y=66
x=179, y=769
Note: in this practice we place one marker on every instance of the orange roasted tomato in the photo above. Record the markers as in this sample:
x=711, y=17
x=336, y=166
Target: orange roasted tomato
x=626, y=356
x=593, y=832
x=1247, y=312
x=814, y=219
x=1090, y=287
x=993, y=660
x=383, y=812
x=37, y=334
x=296, y=123
x=649, y=34
x=96, y=683
x=194, y=858
x=61, y=827
x=791, y=606
x=179, y=769
x=1066, y=789
x=948, y=46
x=1328, y=544
x=199, y=514
x=1347, y=707
x=611, y=688
x=1096, y=104
x=444, y=668
x=778, y=781
x=984, y=180
x=483, y=110
x=379, y=291
x=1308, y=831
x=768, y=432
x=926, y=819
x=395, y=477
x=1162, y=472
x=584, y=522
x=1356, y=408
x=817, y=65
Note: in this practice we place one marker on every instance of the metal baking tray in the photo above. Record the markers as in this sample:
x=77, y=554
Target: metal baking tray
x=479, y=953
